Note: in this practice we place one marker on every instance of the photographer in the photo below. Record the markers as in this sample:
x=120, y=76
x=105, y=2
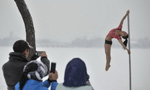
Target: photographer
x=33, y=74
x=13, y=69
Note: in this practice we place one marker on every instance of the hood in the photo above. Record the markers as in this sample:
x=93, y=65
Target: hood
x=75, y=73
x=16, y=56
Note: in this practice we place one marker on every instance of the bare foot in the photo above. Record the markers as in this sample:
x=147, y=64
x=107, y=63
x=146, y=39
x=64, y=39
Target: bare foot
x=107, y=67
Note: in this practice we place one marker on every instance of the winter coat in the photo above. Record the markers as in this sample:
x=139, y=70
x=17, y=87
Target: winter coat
x=62, y=87
x=76, y=77
x=37, y=85
x=13, y=69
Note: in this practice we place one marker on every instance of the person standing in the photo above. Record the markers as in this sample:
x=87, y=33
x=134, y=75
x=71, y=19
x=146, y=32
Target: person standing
x=13, y=69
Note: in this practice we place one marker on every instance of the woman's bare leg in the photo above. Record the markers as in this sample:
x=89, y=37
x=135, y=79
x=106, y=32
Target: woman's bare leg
x=108, y=56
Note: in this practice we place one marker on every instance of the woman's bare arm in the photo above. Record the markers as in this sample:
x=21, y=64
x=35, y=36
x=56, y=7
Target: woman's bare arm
x=122, y=20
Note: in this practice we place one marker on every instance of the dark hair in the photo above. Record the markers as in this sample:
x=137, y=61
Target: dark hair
x=126, y=39
x=29, y=68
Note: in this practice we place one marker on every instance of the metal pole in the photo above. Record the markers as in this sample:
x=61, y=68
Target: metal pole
x=129, y=55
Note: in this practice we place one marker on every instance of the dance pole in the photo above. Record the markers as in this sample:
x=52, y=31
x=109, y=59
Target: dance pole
x=129, y=55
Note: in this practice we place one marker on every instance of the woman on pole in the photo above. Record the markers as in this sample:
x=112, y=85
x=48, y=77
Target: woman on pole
x=118, y=34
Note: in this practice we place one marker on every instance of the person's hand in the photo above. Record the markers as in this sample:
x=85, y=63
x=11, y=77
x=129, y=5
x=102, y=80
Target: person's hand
x=43, y=54
x=53, y=76
x=128, y=51
x=127, y=13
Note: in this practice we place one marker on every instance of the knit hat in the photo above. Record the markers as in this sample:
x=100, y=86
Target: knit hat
x=21, y=45
x=75, y=73
x=39, y=73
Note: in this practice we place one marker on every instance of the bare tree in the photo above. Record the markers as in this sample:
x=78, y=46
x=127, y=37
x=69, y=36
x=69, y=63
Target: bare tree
x=30, y=32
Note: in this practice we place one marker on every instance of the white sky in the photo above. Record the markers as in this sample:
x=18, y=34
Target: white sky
x=65, y=20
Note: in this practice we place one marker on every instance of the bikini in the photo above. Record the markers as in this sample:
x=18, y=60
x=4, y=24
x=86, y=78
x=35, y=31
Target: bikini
x=113, y=35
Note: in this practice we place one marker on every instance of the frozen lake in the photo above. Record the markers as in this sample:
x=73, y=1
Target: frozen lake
x=117, y=78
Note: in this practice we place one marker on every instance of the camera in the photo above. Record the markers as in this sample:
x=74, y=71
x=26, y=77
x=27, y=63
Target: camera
x=53, y=67
x=36, y=55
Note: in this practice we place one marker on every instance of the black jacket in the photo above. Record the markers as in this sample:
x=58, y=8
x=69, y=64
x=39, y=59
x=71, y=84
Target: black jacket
x=13, y=69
